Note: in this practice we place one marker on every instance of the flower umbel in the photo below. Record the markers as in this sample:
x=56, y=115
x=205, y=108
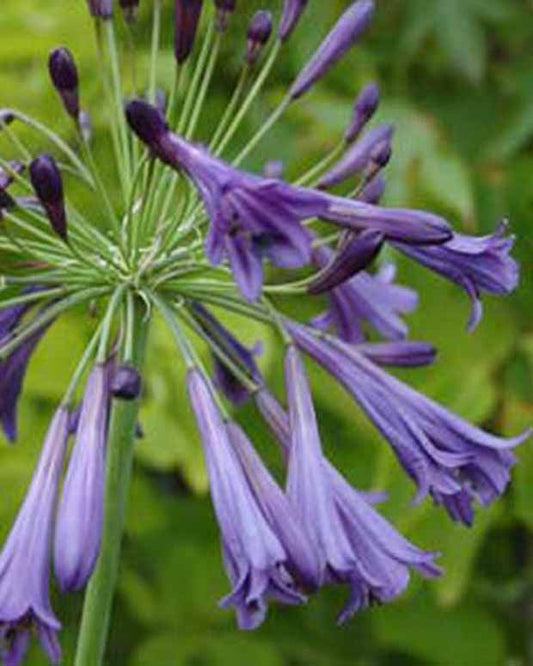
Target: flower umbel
x=181, y=229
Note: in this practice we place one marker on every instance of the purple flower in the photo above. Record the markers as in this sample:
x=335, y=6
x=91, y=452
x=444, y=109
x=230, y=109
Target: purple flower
x=253, y=218
x=259, y=32
x=48, y=185
x=341, y=38
x=372, y=299
x=186, y=17
x=357, y=546
x=401, y=354
x=457, y=463
x=25, y=559
x=81, y=507
x=478, y=264
x=357, y=253
x=365, y=106
x=101, y=8
x=126, y=383
x=226, y=380
x=358, y=156
x=224, y=9
x=292, y=10
x=64, y=75
x=265, y=551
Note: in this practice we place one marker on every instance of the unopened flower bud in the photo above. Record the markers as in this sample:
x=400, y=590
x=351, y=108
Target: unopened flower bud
x=146, y=121
x=340, y=39
x=129, y=9
x=101, y=8
x=259, y=32
x=186, y=18
x=292, y=10
x=48, y=185
x=126, y=383
x=224, y=9
x=364, y=108
x=64, y=76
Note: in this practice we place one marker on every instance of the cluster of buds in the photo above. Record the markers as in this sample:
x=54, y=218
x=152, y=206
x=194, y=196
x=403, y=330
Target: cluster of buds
x=186, y=232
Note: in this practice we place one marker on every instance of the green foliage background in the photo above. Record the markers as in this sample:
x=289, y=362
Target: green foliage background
x=457, y=79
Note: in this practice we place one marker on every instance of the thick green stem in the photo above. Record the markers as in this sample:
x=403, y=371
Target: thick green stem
x=100, y=592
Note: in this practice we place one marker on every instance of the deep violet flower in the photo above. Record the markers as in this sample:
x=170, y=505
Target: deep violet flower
x=341, y=38
x=126, y=383
x=366, y=299
x=257, y=559
x=25, y=558
x=358, y=547
x=130, y=9
x=259, y=32
x=80, y=510
x=455, y=462
x=477, y=264
x=186, y=17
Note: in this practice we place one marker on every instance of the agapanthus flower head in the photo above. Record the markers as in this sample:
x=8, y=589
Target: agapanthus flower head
x=181, y=228
x=25, y=559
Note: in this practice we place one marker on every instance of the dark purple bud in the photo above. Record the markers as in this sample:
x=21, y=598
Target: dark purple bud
x=48, y=185
x=341, y=38
x=146, y=121
x=101, y=8
x=64, y=76
x=259, y=32
x=126, y=383
x=353, y=258
x=358, y=156
x=364, y=108
x=186, y=18
x=129, y=9
x=380, y=156
x=224, y=9
x=292, y=10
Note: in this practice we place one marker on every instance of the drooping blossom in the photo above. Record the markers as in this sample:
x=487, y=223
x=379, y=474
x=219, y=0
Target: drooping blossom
x=25, y=559
x=453, y=461
x=81, y=506
x=48, y=185
x=262, y=554
x=259, y=32
x=477, y=264
x=186, y=18
x=64, y=75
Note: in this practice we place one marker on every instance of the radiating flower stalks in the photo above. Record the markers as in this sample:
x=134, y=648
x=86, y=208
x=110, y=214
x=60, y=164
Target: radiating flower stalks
x=179, y=225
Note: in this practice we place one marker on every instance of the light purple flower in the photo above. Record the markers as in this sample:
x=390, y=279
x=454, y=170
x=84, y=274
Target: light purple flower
x=401, y=354
x=455, y=462
x=478, y=264
x=366, y=299
x=25, y=559
x=292, y=10
x=340, y=39
x=81, y=506
x=261, y=551
x=358, y=156
x=365, y=106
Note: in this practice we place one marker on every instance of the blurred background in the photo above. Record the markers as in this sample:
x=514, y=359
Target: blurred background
x=457, y=80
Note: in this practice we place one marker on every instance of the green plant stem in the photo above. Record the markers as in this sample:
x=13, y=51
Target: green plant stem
x=100, y=592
